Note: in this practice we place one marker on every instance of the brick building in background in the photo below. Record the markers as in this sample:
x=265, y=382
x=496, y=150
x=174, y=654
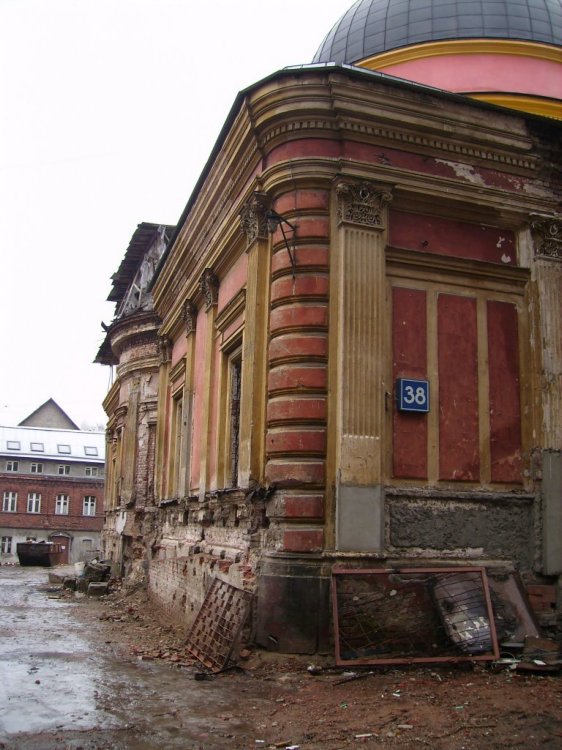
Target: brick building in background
x=353, y=351
x=51, y=484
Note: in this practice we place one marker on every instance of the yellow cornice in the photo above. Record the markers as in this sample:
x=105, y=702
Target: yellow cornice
x=531, y=104
x=462, y=47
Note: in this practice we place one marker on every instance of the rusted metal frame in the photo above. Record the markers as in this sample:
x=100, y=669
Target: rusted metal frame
x=217, y=626
x=493, y=656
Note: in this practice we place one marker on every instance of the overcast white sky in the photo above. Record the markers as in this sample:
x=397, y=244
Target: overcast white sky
x=109, y=109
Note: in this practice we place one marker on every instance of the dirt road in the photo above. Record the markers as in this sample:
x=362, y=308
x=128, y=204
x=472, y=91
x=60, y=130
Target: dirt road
x=111, y=673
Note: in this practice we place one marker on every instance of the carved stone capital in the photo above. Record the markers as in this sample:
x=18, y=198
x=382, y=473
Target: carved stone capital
x=253, y=217
x=189, y=316
x=165, y=348
x=209, y=285
x=362, y=203
x=547, y=232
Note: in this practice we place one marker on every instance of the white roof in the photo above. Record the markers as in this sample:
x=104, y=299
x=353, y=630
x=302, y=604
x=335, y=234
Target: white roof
x=47, y=443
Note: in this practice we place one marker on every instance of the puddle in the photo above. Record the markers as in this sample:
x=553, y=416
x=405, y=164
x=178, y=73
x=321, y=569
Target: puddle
x=61, y=686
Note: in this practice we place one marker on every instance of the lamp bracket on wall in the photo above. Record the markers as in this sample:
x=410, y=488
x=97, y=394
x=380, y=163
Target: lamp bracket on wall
x=275, y=220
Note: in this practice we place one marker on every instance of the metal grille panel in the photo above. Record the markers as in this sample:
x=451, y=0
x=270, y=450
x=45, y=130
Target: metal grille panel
x=414, y=615
x=218, y=624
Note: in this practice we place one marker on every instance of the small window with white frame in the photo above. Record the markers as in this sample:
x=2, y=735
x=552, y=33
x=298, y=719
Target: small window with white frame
x=91, y=471
x=63, y=448
x=34, y=502
x=64, y=469
x=62, y=505
x=37, y=447
x=36, y=468
x=13, y=445
x=90, y=450
x=12, y=465
x=10, y=502
x=89, y=508
x=6, y=546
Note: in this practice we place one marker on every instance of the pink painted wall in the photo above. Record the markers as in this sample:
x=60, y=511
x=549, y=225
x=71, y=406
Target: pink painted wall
x=212, y=447
x=198, y=389
x=486, y=72
x=179, y=350
x=233, y=281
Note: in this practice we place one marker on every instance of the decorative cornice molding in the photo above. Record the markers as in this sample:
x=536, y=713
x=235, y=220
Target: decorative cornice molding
x=362, y=203
x=145, y=366
x=411, y=264
x=403, y=137
x=209, y=286
x=189, y=314
x=253, y=217
x=121, y=411
x=134, y=339
x=231, y=311
x=165, y=346
x=547, y=232
x=177, y=371
x=511, y=47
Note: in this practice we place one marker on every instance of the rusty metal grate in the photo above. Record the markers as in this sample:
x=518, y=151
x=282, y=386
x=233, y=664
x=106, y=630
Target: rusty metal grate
x=218, y=624
x=413, y=615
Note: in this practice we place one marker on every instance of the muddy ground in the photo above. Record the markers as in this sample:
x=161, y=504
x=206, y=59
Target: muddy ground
x=273, y=701
x=467, y=707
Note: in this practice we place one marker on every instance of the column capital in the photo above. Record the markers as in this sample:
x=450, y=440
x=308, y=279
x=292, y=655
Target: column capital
x=165, y=348
x=362, y=202
x=189, y=314
x=253, y=217
x=547, y=231
x=209, y=286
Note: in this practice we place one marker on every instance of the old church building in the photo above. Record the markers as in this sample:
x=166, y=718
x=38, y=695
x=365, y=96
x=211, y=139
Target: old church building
x=349, y=349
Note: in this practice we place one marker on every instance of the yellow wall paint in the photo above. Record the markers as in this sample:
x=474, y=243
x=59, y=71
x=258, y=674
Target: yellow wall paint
x=464, y=47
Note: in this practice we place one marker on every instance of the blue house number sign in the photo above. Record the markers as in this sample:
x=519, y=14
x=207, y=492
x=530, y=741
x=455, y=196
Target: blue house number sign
x=412, y=395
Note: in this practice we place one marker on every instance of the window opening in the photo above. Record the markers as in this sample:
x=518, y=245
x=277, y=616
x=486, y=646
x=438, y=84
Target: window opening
x=235, y=389
x=62, y=505
x=6, y=547
x=10, y=502
x=34, y=502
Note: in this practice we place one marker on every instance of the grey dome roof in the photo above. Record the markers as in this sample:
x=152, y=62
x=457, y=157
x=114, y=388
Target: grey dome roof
x=373, y=26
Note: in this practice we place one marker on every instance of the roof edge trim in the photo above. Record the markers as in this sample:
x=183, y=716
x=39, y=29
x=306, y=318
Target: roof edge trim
x=531, y=104
x=462, y=47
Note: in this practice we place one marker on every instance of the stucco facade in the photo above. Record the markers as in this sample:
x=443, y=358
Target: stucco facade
x=349, y=231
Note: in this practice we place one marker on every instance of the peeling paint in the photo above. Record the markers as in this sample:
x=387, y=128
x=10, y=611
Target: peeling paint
x=465, y=171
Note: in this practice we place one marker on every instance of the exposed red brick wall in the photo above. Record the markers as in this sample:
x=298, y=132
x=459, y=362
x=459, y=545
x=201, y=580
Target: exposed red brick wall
x=49, y=488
